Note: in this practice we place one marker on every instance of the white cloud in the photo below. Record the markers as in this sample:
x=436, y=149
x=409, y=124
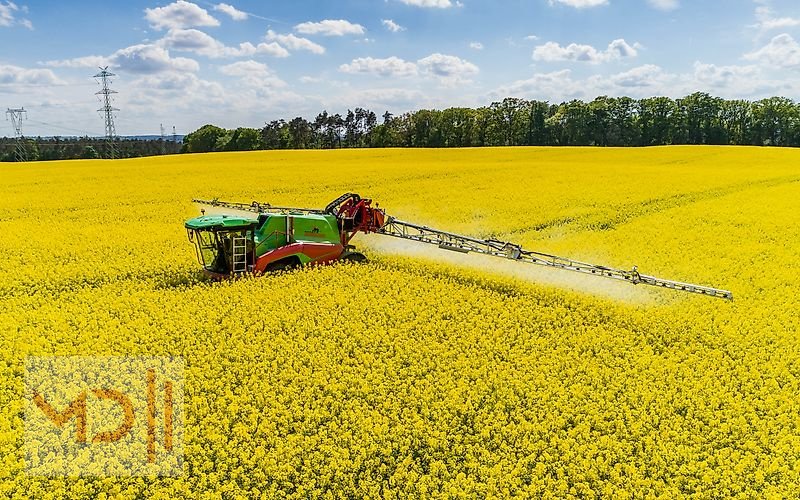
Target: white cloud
x=782, y=51
x=180, y=14
x=580, y=4
x=437, y=4
x=737, y=82
x=544, y=86
x=233, y=12
x=196, y=41
x=15, y=75
x=768, y=20
x=330, y=27
x=665, y=5
x=193, y=40
x=379, y=99
x=448, y=68
x=552, y=51
x=190, y=99
x=254, y=93
x=731, y=82
x=714, y=75
x=155, y=57
x=780, y=23
x=79, y=62
x=476, y=45
x=187, y=84
x=392, y=26
x=150, y=59
x=644, y=81
x=532, y=37
x=619, y=49
x=7, y=11
x=648, y=75
x=193, y=102
x=293, y=42
x=391, y=66
x=253, y=74
x=330, y=83
x=8, y=15
x=141, y=58
x=271, y=49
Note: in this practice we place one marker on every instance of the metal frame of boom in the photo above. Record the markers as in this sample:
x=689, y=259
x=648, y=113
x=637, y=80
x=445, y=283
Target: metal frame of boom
x=496, y=248
x=256, y=207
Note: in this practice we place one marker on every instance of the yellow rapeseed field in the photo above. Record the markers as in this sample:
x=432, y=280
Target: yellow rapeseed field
x=415, y=377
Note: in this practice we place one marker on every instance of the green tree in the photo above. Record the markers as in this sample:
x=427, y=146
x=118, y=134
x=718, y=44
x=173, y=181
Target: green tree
x=535, y=123
x=480, y=129
x=571, y=123
x=775, y=121
x=656, y=116
x=623, y=128
x=90, y=153
x=274, y=135
x=246, y=139
x=203, y=139
x=225, y=142
x=504, y=116
x=423, y=129
x=299, y=133
x=697, y=120
x=456, y=127
x=736, y=118
x=599, y=121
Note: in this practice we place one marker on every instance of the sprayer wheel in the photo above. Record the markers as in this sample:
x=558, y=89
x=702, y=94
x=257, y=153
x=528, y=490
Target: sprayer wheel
x=283, y=265
x=354, y=257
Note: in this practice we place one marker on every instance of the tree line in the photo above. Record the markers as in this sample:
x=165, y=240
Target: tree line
x=71, y=148
x=698, y=118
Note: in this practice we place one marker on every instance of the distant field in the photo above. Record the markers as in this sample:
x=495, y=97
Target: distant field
x=419, y=373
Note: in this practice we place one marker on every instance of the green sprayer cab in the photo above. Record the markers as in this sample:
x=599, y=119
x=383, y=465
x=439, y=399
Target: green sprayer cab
x=259, y=237
x=223, y=244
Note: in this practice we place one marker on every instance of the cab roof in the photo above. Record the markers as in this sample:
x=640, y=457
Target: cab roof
x=220, y=222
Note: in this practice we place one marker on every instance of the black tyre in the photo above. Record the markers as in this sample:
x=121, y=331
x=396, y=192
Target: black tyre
x=282, y=265
x=354, y=257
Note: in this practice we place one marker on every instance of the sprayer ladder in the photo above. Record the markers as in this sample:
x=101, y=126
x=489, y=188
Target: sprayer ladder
x=239, y=254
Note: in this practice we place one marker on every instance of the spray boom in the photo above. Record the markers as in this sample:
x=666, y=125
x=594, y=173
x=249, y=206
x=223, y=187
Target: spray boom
x=351, y=214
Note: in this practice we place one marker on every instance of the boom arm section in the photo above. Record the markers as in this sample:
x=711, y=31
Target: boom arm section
x=254, y=207
x=496, y=248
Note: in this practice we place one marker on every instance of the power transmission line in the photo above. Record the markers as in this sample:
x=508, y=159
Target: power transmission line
x=62, y=127
x=105, y=96
x=17, y=115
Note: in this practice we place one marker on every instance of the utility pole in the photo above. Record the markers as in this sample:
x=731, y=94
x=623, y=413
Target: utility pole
x=105, y=96
x=17, y=115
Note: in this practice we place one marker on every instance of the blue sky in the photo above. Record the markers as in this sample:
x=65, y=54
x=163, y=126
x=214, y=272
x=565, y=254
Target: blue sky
x=244, y=62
